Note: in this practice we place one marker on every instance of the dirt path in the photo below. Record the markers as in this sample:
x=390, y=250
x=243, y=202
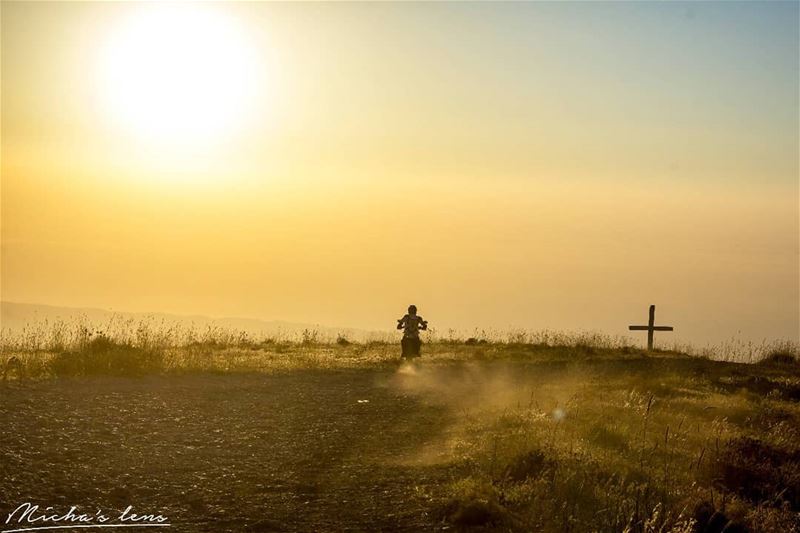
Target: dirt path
x=290, y=452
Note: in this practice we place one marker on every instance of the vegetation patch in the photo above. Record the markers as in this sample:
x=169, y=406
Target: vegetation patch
x=104, y=356
x=759, y=472
x=476, y=507
x=530, y=465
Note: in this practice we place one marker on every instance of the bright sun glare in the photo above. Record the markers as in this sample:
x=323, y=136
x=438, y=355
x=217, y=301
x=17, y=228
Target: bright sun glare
x=179, y=75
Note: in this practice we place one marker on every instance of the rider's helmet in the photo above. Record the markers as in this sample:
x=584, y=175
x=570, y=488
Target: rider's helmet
x=412, y=309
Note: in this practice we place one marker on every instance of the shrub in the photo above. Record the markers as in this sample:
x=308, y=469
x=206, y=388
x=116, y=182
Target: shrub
x=310, y=337
x=475, y=506
x=529, y=465
x=103, y=356
x=341, y=340
x=759, y=472
x=780, y=357
x=709, y=519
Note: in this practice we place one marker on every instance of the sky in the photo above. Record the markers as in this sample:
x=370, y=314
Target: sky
x=500, y=165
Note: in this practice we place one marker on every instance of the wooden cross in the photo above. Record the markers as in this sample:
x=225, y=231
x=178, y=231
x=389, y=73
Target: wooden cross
x=650, y=328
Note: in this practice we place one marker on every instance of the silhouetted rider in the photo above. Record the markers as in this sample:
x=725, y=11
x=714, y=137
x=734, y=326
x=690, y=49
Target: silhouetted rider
x=411, y=324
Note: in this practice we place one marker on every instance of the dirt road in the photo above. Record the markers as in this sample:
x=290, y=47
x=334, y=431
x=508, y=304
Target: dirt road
x=300, y=451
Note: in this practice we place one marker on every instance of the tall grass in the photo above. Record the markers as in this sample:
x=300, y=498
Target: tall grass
x=126, y=345
x=633, y=451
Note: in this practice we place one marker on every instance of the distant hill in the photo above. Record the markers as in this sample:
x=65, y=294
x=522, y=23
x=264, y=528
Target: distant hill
x=15, y=316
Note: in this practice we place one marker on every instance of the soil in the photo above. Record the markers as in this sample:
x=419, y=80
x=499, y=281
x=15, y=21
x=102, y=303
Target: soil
x=299, y=451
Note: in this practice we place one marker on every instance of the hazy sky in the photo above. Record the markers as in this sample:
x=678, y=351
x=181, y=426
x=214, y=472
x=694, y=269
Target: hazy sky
x=537, y=165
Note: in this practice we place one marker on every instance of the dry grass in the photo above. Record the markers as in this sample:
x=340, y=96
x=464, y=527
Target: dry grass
x=550, y=431
x=125, y=346
x=652, y=447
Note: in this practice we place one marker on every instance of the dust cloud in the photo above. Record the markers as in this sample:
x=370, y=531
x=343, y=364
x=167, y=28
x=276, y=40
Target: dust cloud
x=478, y=394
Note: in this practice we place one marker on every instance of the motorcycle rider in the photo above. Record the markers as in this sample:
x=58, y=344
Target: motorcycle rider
x=411, y=324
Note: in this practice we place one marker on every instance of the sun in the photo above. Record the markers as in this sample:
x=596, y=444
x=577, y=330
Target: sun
x=179, y=74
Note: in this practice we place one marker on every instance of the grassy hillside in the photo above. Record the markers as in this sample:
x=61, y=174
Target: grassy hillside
x=548, y=433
